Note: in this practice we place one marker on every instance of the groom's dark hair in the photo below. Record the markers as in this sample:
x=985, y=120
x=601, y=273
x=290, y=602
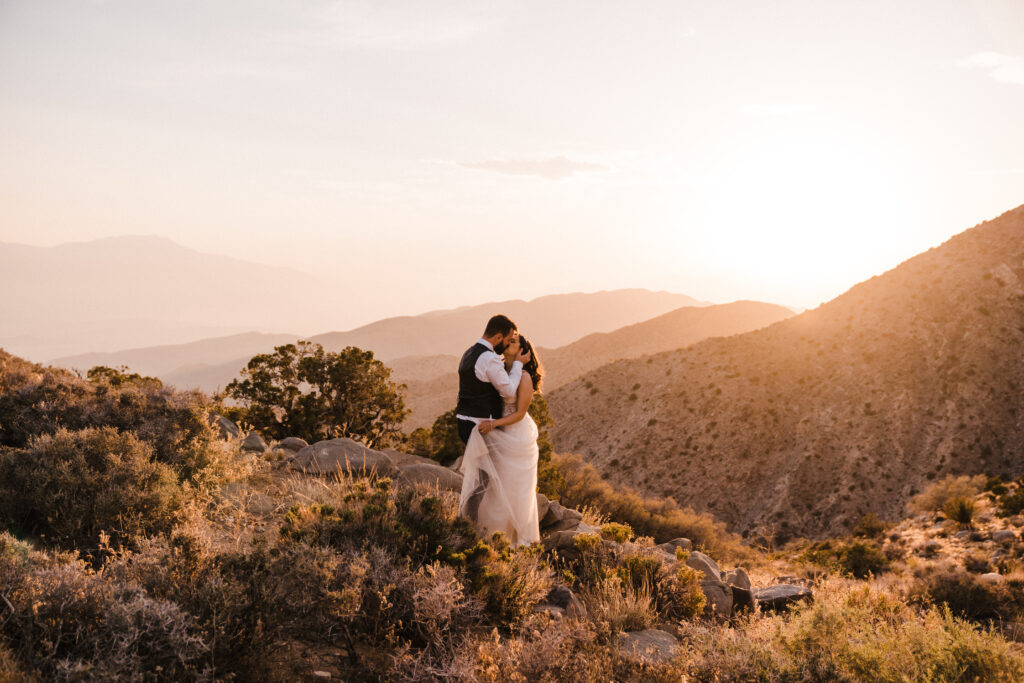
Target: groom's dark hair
x=499, y=324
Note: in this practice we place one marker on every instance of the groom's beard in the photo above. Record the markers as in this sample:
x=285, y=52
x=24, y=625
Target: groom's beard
x=500, y=348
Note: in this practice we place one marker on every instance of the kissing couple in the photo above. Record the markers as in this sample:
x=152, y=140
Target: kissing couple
x=498, y=377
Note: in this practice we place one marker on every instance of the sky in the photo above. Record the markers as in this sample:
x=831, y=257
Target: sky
x=430, y=154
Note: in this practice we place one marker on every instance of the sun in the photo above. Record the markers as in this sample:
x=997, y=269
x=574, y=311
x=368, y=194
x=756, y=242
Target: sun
x=800, y=208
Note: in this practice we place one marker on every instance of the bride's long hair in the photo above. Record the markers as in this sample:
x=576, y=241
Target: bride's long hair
x=534, y=368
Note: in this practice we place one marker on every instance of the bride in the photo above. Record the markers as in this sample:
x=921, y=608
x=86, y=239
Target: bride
x=499, y=488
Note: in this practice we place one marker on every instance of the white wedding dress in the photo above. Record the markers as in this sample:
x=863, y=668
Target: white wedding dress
x=499, y=486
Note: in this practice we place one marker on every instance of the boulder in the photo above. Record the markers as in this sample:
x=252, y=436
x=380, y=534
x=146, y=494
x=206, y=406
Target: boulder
x=719, y=598
x=962, y=535
x=223, y=426
x=254, y=443
x=565, y=599
x=701, y=562
x=542, y=505
x=292, y=443
x=1004, y=535
x=342, y=455
x=565, y=541
x=779, y=598
x=991, y=578
x=557, y=513
x=737, y=577
x=457, y=465
x=431, y=475
x=651, y=646
x=742, y=600
x=670, y=546
x=402, y=459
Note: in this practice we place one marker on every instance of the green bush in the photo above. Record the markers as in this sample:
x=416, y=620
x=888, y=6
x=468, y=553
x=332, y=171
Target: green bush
x=302, y=390
x=869, y=526
x=70, y=486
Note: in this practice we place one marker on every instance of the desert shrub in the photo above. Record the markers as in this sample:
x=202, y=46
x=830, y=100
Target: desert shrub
x=1012, y=503
x=660, y=518
x=69, y=486
x=65, y=621
x=965, y=594
x=613, y=531
x=996, y=486
x=302, y=390
x=36, y=400
x=960, y=510
x=856, y=558
x=869, y=526
x=858, y=635
x=617, y=605
x=977, y=563
x=935, y=496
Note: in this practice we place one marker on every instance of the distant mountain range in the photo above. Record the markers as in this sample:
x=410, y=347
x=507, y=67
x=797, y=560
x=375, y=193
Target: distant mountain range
x=810, y=423
x=551, y=320
x=122, y=292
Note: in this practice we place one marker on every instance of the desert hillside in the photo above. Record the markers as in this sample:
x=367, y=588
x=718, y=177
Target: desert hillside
x=806, y=425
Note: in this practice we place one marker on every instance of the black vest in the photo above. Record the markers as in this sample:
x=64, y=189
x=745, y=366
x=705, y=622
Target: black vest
x=476, y=398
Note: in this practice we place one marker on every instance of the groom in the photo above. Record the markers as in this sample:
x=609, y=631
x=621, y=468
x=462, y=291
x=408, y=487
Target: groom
x=482, y=377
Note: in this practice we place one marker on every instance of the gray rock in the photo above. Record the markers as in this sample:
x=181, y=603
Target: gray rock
x=992, y=578
x=565, y=599
x=336, y=456
x=702, y=563
x=670, y=546
x=737, y=577
x=557, y=513
x=292, y=443
x=1004, y=535
x=431, y=475
x=457, y=465
x=651, y=646
x=719, y=598
x=402, y=459
x=564, y=525
x=542, y=505
x=223, y=426
x=962, y=535
x=565, y=541
x=254, y=443
x=780, y=598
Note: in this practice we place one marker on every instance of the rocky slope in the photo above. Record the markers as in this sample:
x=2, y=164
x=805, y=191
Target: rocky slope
x=808, y=424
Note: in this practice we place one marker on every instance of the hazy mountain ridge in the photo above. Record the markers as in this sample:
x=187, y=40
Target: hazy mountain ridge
x=549, y=320
x=139, y=291
x=806, y=425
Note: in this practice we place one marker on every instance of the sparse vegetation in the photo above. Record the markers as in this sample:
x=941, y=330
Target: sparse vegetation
x=936, y=495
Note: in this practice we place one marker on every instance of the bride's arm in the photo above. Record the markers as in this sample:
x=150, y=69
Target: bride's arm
x=524, y=397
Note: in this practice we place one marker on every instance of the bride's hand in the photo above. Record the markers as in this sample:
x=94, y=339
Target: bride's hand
x=486, y=427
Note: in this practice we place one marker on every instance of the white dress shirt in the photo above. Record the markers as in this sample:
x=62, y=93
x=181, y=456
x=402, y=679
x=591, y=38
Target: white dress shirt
x=490, y=367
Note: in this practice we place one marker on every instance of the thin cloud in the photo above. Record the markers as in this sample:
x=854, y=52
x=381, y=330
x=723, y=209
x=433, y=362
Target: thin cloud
x=779, y=109
x=1001, y=68
x=554, y=168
